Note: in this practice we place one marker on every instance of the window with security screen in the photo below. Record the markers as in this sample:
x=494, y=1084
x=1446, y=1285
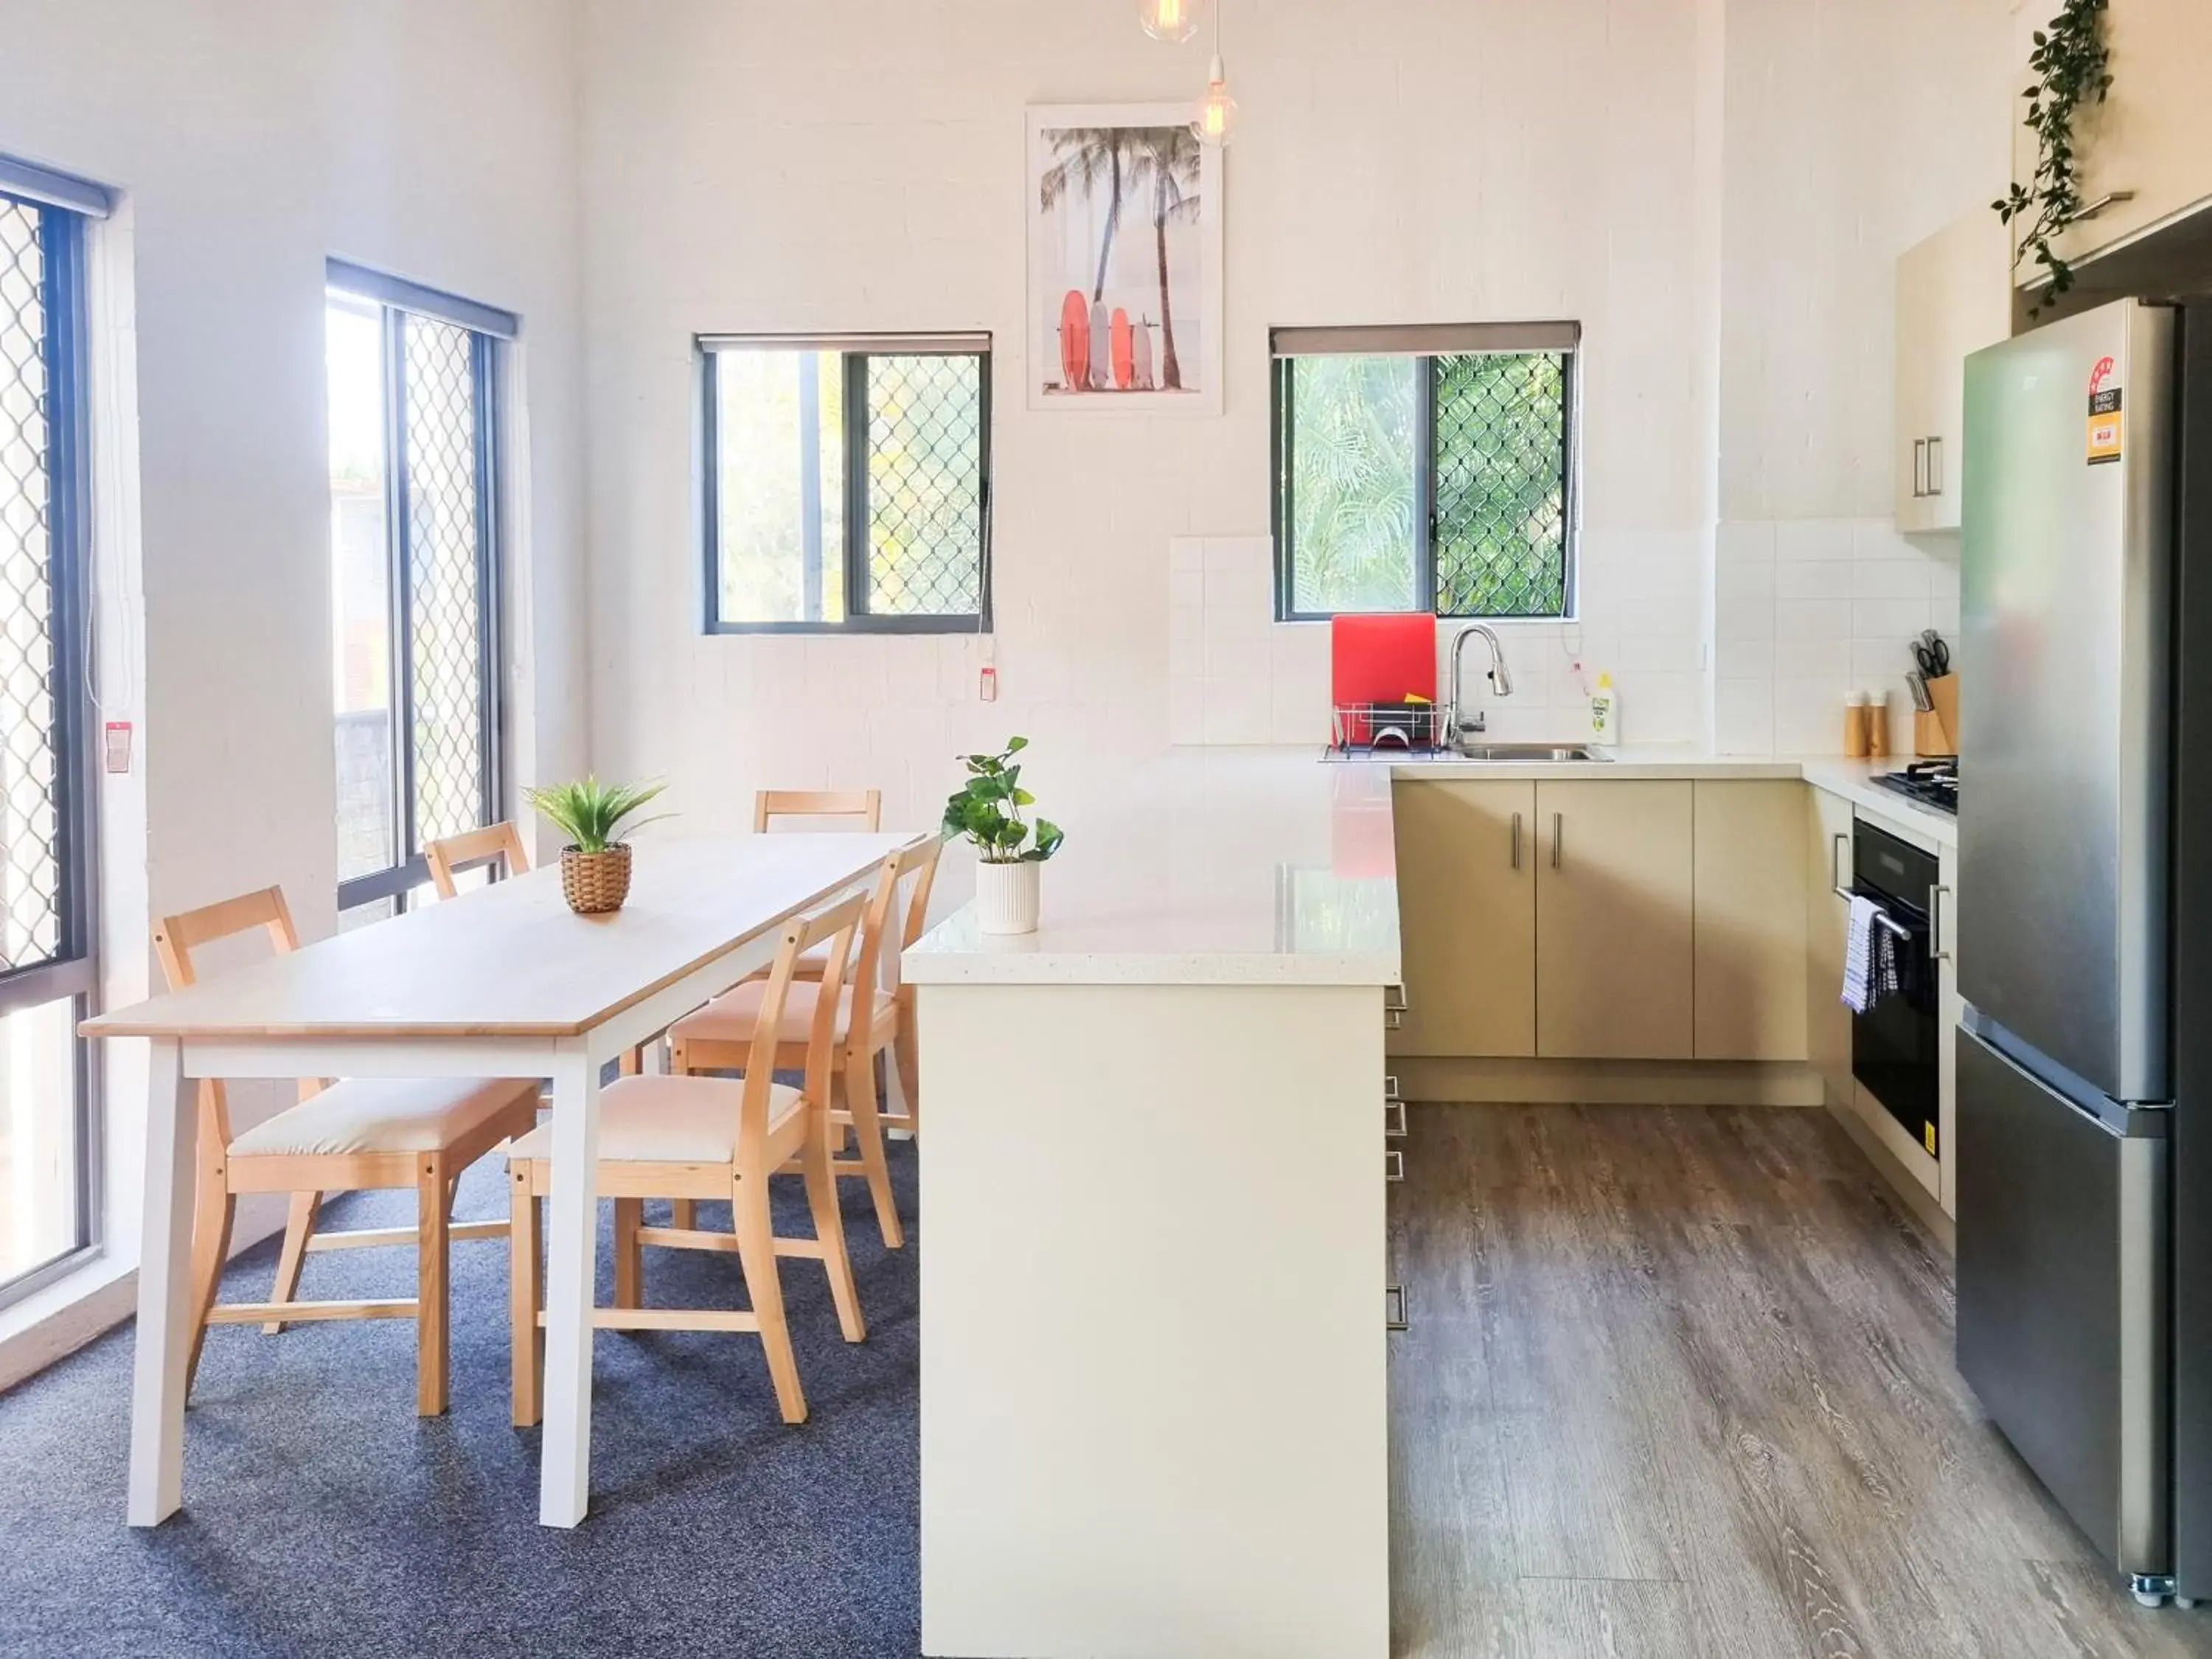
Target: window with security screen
x=848, y=483
x=414, y=573
x=48, y=976
x=1425, y=469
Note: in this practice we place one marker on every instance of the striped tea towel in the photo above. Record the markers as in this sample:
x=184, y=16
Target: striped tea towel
x=1869, y=957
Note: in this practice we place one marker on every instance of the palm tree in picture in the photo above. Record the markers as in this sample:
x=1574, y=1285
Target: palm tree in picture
x=1167, y=161
x=1084, y=156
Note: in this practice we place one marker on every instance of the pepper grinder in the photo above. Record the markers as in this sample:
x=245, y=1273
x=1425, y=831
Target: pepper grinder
x=1877, y=723
x=1854, y=725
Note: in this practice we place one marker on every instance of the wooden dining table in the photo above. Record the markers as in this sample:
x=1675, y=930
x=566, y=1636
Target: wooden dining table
x=504, y=981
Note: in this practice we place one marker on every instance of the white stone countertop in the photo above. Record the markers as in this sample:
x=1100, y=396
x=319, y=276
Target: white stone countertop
x=1271, y=866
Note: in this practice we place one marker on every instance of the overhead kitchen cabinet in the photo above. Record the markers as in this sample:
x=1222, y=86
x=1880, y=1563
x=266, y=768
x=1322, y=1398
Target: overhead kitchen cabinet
x=1616, y=949
x=2150, y=141
x=1953, y=297
x=1467, y=929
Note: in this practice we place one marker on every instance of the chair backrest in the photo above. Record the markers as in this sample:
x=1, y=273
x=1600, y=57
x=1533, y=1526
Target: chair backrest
x=918, y=860
x=501, y=841
x=175, y=939
x=836, y=923
x=866, y=805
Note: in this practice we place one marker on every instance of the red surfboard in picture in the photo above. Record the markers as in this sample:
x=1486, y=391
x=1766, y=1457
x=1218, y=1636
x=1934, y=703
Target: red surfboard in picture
x=1124, y=359
x=1074, y=342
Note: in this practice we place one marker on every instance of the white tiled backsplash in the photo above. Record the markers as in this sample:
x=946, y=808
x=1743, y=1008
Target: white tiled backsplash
x=1803, y=611
x=1808, y=610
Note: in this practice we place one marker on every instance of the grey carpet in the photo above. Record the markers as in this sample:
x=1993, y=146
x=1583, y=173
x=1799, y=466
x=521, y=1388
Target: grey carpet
x=322, y=1516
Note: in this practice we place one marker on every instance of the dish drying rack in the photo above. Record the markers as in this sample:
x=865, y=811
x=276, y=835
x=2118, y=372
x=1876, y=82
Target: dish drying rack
x=1386, y=728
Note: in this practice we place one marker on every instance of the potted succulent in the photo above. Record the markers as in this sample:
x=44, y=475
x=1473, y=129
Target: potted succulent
x=594, y=865
x=988, y=810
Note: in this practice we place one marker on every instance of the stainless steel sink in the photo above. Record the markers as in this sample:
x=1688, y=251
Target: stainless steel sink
x=1528, y=751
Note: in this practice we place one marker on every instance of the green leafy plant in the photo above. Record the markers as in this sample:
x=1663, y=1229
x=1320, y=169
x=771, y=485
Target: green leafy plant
x=988, y=810
x=2072, y=66
x=591, y=814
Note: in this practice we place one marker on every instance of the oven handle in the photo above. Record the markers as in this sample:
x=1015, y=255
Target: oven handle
x=1882, y=920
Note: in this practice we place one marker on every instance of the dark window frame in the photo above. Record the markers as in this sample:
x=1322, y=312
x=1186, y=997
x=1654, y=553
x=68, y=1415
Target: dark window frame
x=853, y=558
x=411, y=869
x=1282, y=437
x=73, y=971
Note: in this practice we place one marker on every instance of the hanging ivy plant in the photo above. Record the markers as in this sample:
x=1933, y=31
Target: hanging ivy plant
x=2072, y=67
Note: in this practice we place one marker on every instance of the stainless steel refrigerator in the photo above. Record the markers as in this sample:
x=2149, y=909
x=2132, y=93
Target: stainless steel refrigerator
x=2084, y=1138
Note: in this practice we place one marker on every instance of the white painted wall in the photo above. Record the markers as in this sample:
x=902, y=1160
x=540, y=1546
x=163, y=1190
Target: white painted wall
x=1716, y=189
x=860, y=166
x=1854, y=128
x=252, y=138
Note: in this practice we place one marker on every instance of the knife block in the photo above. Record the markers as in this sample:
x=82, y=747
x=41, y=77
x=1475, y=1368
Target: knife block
x=1935, y=731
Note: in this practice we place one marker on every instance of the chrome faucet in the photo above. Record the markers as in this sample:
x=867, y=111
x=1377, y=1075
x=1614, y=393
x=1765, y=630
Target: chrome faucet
x=1501, y=678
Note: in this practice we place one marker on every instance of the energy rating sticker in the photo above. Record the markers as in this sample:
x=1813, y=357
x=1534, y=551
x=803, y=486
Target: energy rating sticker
x=2106, y=427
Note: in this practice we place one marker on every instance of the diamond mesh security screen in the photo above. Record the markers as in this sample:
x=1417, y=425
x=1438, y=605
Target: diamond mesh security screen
x=1501, y=484
x=444, y=578
x=30, y=806
x=925, y=485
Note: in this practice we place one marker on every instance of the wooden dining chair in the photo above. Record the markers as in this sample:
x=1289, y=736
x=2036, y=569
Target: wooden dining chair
x=358, y=1134
x=500, y=844
x=866, y=805
x=869, y=1020
x=697, y=1137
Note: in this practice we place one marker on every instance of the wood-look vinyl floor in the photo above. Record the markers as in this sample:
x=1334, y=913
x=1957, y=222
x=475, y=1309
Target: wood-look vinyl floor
x=1678, y=1383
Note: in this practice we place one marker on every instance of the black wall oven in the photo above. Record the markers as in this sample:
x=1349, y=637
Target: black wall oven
x=1893, y=1044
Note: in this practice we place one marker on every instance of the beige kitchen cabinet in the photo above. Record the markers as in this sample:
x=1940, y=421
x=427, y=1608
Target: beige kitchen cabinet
x=1748, y=918
x=1953, y=297
x=1828, y=853
x=1615, y=952
x=1467, y=857
x=2153, y=134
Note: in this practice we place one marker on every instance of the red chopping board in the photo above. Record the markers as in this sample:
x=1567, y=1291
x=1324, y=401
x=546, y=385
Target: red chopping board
x=1381, y=658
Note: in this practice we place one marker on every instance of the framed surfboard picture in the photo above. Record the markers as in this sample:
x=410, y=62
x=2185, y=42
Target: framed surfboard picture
x=1125, y=309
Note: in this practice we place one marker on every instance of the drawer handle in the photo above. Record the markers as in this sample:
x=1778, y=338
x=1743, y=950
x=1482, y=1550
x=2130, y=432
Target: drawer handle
x=1393, y=1307
x=1394, y=1164
x=1393, y=1119
x=1390, y=1088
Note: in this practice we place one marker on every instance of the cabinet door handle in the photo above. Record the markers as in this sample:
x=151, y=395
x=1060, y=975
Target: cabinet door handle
x=1517, y=841
x=1393, y=1119
x=1394, y=1164
x=1837, y=843
x=1393, y=1307
x=1558, y=834
x=1935, y=466
x=1938, y=947
x=1919, y=468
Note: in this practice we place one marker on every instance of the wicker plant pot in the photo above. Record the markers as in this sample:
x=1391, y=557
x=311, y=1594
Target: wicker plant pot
x=595, y=883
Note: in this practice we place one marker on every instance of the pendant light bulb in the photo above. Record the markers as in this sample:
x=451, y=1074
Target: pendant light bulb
x=1172, y=21
x=1217, y=110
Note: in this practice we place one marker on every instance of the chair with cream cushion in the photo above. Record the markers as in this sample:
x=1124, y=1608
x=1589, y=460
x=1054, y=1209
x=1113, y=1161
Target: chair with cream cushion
x=358, y=1134
x=865, y=1020
x=694, y=1138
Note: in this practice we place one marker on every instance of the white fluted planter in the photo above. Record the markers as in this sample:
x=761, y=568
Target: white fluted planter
x=1006, y=896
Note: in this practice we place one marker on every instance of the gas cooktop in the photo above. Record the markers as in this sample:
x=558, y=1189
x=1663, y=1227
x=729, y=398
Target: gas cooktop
x=1931, y=783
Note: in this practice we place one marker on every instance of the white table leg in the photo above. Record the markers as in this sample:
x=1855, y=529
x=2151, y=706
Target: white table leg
x=572, y=1232
x=165, y=1285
